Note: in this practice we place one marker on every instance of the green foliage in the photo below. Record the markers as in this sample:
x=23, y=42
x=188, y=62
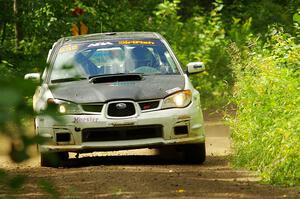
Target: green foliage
x=262, y=12
x=200, y=38
x=296, y=19
x=240, y=32
x=266, y=130
x=167, y=22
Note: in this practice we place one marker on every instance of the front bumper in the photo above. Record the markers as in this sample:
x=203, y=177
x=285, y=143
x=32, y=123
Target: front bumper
x=74, y=126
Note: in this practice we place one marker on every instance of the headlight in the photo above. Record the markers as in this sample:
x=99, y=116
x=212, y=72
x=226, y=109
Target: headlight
x=178, y=100
x=62, y=107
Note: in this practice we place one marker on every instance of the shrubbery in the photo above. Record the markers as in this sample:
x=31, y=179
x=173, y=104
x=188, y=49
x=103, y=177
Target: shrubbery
x=266, y=128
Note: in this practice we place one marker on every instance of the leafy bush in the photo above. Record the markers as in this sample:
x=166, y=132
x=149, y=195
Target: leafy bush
x=200, y=38
x=266, y=128
x=15, y=112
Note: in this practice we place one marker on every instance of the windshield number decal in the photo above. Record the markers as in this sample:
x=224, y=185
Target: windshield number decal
x=68, y=48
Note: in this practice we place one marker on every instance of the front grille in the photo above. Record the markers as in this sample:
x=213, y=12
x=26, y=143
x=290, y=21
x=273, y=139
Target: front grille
x=149, y=105
x=121, y=133
x=121, y=109
x=92, y=107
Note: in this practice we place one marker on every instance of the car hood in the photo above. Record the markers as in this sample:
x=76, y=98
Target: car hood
x=150, y=87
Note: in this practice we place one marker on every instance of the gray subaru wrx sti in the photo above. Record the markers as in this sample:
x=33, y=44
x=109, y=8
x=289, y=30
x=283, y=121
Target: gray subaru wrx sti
x=114, y=91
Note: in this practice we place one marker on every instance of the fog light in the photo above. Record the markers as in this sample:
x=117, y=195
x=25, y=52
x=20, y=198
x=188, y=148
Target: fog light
x=181, y=130
x=63, y=137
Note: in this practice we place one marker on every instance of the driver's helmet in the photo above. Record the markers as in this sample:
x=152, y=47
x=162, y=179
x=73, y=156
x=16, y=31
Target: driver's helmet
x=142, y=56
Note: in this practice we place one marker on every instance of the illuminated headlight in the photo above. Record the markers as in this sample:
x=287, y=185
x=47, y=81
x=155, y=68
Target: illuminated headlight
x=178, y=100
x=63, y=107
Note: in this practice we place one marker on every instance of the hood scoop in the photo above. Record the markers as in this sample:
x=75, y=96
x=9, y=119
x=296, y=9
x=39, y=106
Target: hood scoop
x=115, y=78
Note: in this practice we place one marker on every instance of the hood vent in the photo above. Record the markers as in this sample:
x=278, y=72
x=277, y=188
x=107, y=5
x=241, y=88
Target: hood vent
x=115, y=78
x=92, y=107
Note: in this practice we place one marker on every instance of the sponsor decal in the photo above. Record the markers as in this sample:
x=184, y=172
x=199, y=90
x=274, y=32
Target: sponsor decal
x=122, y=84
x=100, y=44
x=68, y=48
x=126, y=42
x=86, y=120
x=173, y=90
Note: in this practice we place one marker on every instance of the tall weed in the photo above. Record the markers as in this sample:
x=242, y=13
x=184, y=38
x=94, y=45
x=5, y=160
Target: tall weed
x=266, y=128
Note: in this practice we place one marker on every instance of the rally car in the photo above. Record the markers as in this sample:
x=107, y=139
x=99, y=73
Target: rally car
x=115, y=91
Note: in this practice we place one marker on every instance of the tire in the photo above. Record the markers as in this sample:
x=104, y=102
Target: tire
x=54, y=159
x=194, y=153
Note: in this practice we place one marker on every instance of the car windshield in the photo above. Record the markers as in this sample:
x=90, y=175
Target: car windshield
x=79, y=61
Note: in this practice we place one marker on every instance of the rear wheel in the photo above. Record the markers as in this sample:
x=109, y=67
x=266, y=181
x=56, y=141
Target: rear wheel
x=52, y=159
x=194, y=153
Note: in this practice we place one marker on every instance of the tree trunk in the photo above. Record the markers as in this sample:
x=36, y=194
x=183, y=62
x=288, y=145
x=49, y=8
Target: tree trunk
x=18, y=22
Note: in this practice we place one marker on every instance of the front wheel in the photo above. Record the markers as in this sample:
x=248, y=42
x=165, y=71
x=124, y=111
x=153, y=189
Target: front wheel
x=52, y=159
x=194, y=153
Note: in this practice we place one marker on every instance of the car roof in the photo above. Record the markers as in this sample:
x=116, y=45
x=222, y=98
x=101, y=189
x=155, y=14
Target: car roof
x=110, y=36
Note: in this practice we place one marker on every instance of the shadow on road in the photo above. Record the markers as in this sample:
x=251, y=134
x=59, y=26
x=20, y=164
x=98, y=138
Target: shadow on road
x=136, y=160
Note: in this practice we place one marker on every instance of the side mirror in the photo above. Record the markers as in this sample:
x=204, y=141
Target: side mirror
x=33, y=76
x=195, y=67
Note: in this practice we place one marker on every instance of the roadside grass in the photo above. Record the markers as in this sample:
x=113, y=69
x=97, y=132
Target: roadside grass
x=266, y=128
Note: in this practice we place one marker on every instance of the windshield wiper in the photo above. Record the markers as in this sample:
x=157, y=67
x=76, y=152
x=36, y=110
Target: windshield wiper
x=116, y=77
x=69, y=79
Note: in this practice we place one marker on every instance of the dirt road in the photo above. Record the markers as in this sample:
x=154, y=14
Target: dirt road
x=142, y=174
